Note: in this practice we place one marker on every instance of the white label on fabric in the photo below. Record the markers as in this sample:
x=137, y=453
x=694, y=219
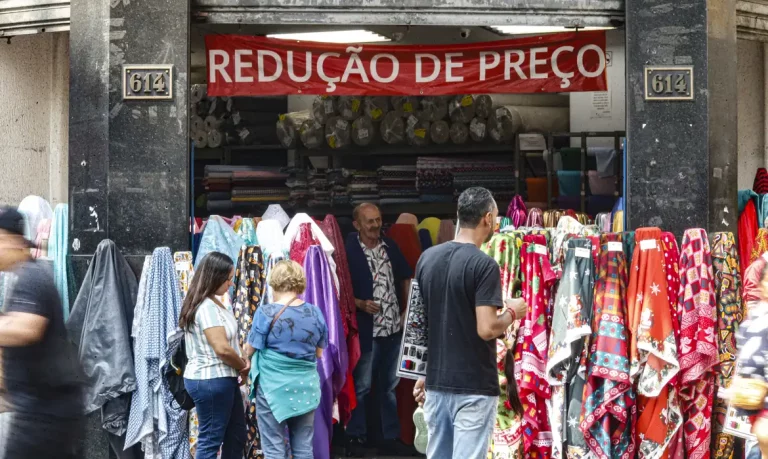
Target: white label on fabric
x=540, y=249
x=412, y=120
x=478, y=129
x=328, y=107
x=648, y=244
x=615, y=247
x=581, y=252
x=236, y=118
x=363, y=134
x=182, y=265
x=500, y=112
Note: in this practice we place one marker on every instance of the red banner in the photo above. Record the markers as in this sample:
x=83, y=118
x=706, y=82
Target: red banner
x=240, y=65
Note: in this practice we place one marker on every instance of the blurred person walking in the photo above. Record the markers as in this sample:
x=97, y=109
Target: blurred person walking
x=42, y=393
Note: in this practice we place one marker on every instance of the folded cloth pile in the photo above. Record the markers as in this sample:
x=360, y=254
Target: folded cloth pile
x=227, y=186
x=298, y=185
x=397, y=185
x=319, y=189
x=443, y=179
x=338, y=180
x=363, y=187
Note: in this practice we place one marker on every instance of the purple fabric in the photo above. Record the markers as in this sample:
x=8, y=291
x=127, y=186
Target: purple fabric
x=332, y=366
x=517, y=212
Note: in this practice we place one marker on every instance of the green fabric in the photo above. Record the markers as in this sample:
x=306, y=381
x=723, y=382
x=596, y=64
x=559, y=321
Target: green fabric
x=745, y=196
x=247, y=231
x=291, y=386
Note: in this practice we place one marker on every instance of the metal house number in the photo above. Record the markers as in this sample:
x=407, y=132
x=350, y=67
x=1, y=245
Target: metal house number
x=669, y=83
x=147, y=82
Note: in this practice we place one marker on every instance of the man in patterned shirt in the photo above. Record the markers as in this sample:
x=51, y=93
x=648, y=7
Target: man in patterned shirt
x=380, y=280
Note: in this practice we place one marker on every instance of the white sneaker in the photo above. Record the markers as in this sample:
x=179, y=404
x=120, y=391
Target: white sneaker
x=420, y=441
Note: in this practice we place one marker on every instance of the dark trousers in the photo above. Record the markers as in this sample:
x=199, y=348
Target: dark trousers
x=31, y=436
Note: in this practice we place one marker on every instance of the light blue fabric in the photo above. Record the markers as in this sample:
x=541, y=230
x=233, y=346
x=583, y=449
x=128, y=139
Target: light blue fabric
x=273, y=258
x=291, y=386
x=58, y=251
x=218, y=236
x=155, y=419
x=762, y=210
x=247, y=232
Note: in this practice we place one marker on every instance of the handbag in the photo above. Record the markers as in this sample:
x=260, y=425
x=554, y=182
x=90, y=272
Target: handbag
x=748, y=393
x=174, y=374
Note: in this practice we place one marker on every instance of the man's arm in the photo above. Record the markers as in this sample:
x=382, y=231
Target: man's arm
x=491, y=325
x=19, y=329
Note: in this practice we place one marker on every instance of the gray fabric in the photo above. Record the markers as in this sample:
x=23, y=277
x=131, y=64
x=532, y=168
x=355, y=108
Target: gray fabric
x=100, y=327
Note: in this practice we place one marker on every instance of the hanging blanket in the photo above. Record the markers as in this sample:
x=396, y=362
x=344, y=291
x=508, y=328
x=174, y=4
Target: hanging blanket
x=531, y=349
x=653, y=351
x=609, y=400
x=332, y=366
x=747, y=228
x=725, y=261
x=571, y=327
x=250, y=277
x=698, y=347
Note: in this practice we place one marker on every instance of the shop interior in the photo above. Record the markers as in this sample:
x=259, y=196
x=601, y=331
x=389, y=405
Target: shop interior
x=532, y=149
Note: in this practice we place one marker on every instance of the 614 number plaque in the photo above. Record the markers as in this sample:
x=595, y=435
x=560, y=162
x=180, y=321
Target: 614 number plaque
x=669, y=83
x=147, y=82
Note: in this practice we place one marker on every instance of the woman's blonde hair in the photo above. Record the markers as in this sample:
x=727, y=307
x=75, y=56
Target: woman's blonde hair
x=287, y=276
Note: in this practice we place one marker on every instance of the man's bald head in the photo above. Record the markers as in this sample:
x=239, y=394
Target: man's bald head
x=367, y=221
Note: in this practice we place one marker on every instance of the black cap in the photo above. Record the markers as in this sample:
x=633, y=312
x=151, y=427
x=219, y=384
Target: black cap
x=12, y=221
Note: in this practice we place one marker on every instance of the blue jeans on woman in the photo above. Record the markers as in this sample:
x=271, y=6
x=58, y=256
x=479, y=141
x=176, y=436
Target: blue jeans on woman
x=301, y=430
x=220, y=415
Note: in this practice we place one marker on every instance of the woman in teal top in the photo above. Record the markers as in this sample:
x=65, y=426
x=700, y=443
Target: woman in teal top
x=286, y=339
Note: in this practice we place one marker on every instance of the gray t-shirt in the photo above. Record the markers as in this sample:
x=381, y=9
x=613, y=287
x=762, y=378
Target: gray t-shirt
x=44, y=378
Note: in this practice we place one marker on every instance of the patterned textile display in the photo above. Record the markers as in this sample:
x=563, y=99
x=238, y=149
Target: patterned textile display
x=333, y=365
x=609, y=400
x=760, y=246
x=304, y=240
x=155, y=420
x=504, y=248
x=535, y=218
x=247, y=231
x=571, y=328
x=747, y=228
x=567, y=227
x=676, y=448
x=653, y=351
x=517, y=211
x=250, y=277
x=531, y=347
x=219, y=236
x=698, y=353
x=730, y=312
x=58, y=251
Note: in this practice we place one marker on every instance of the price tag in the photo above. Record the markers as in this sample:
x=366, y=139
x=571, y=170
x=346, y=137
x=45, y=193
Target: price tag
x=615, y=247
x=328, y=106
x=540, y=249
x=466, y=101
x=412, y=120
x=376, y=113
x=355, y=105
x=422, y=133
x=332, y=141
x=182, y=265
x=342, y=124
x=408, y=107
x=648, y=244
x=581, y=252
x=363, y=134
x=244, y=133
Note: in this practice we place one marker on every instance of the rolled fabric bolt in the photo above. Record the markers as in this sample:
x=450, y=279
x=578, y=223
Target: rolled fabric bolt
x=288, y=126
x=215, y=138
x=501, y=126
x=217, y=108
x=417, y=131
x=211, y=123
x=405, y=106
x=483, y=106
x=459, y=133
x=323, y=108
x=393, y=128
x=312, y=134
x=439, y=132
x=196, y=124
x=338, y=132
x=363, y=131
x=201, y=139
x=434, y=108
x=376, y=107
x=461, y=109
x=478, y=129
x=349, y=107
x=197, y=93
x=539, y=119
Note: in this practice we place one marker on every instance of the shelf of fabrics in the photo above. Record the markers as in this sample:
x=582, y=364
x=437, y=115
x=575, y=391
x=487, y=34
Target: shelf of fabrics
x=224, y=154
x=633, y=315
x=407, y=150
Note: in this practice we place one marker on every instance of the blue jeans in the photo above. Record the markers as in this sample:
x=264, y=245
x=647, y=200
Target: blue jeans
x=459, y=425
x=301, y=431
x=383, y=360
x=221, y=416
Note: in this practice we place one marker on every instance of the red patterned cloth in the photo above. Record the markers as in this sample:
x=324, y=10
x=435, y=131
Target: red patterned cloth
x=676, y=448
x=301, y=244
x=698, y=353
x=760, y=186
x=531, y=348
x=609, y=401
x=653, y=351
x=347, y=398
x=747, y=227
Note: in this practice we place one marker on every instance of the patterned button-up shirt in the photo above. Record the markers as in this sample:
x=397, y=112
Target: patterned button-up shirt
x=386, y=322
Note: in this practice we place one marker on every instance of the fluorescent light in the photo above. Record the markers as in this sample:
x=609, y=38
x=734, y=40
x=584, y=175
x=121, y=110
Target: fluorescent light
x=336, y=36
x=534, y=30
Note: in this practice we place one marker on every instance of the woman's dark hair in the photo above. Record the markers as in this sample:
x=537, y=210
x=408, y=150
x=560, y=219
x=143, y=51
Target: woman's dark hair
x=213, y=271
x=509, y=373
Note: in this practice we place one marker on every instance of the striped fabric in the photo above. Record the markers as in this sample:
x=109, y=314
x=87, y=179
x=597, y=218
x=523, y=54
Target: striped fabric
x=203, y=361
x=760, y=186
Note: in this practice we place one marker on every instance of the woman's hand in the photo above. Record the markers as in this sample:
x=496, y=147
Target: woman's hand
x=244, y=372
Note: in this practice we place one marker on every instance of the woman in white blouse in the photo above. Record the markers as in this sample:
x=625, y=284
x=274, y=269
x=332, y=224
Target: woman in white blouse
x=214, y=360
